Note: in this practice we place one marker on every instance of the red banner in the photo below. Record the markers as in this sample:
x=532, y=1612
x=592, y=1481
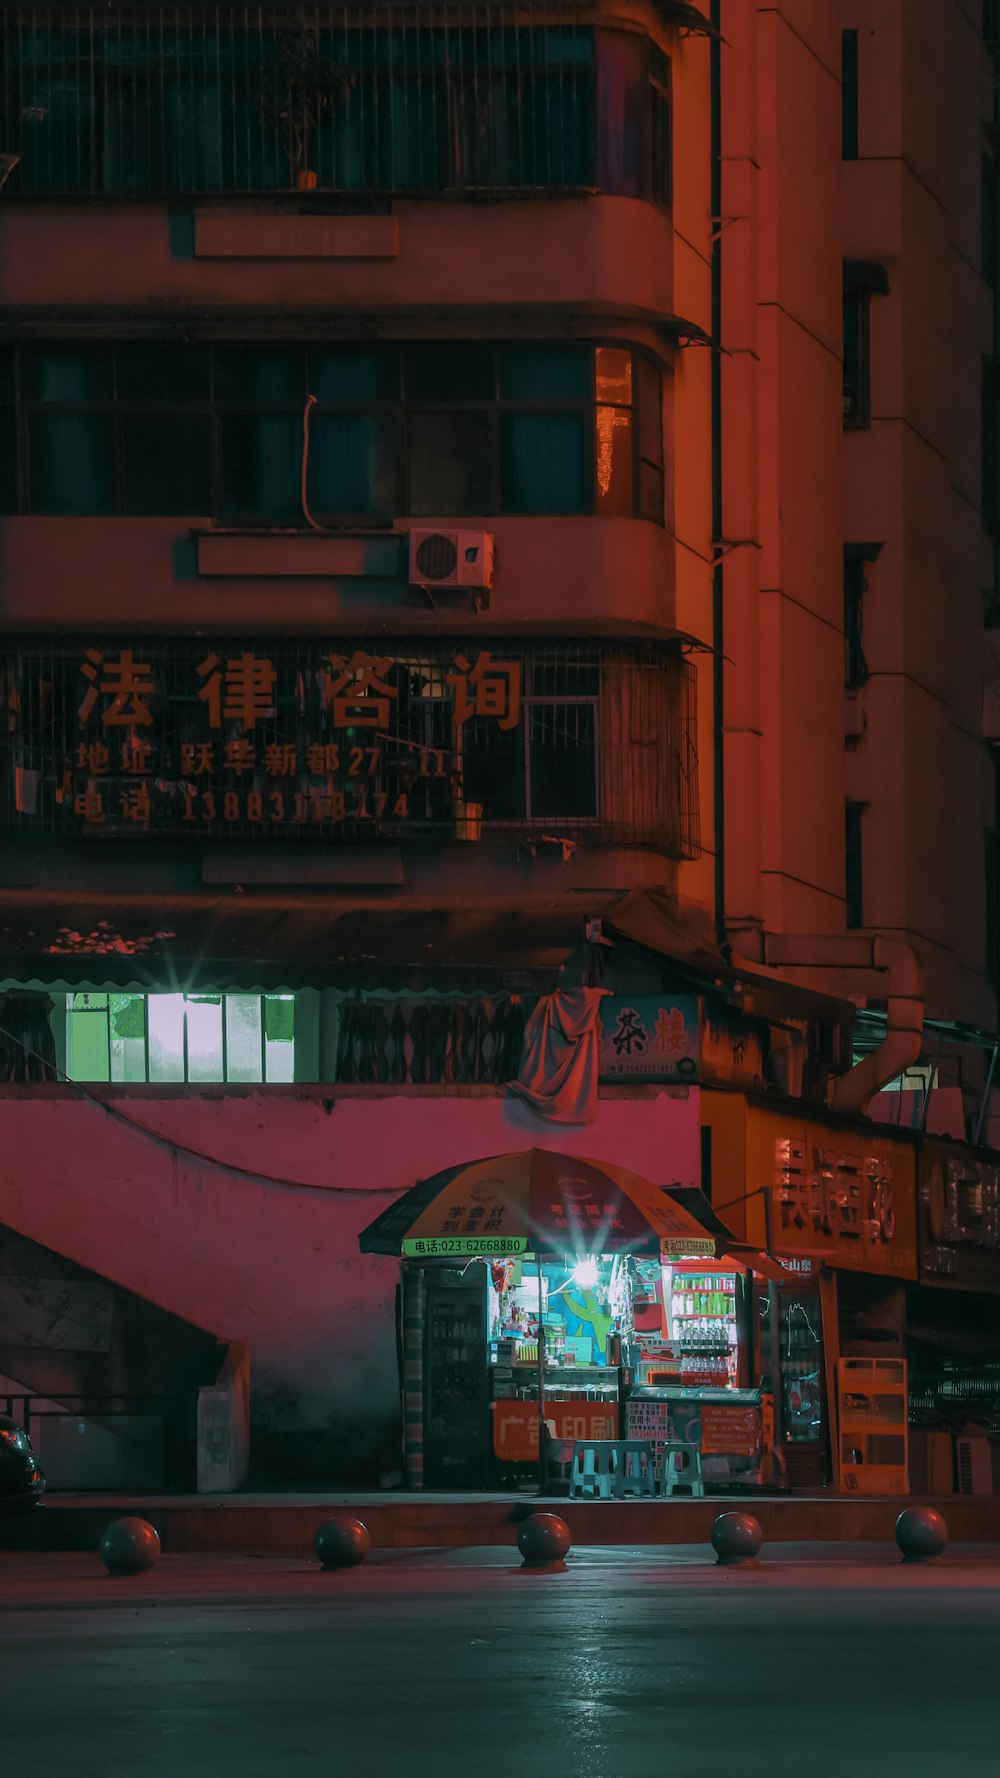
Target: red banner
x=729, y=1431
x=515, y=1424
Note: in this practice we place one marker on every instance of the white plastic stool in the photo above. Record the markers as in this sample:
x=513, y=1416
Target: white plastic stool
x=682, y=1470
x=593, y=1470
x=635, y=1468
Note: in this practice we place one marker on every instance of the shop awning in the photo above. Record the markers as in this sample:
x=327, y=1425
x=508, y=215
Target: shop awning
x=268, y=939
x=258, y=942
x=694, y=1202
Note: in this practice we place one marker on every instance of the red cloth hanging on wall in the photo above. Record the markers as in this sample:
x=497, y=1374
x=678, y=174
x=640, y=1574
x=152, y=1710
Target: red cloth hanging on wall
x=558, y=1073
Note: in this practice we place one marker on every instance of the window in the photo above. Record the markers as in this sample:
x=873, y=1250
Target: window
x=991, y=843
x=443, y=430
x=991, y=444
x=333, y=741
x=849, y=94
x=989, y=218
x=240, y=99
x=854, y=905
x=194, y=1038
x=857, y=557
x=857, y=359
x=863, y=279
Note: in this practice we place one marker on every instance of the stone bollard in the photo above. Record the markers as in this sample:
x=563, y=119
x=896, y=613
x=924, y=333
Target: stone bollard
x=544, y=1541
x=736, y=1539
x=129, y=1546
x=341, y=1542
x=921, y=1534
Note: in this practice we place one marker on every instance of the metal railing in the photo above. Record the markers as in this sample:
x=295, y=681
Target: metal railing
x=431, y=1042
x=135, y=100
x=113, y=1413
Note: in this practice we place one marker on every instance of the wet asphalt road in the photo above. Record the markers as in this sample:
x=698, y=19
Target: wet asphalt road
x=454, y=1664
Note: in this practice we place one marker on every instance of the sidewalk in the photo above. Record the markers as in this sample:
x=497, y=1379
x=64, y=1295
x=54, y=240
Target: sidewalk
x=31, y=1583
x=285, y=1524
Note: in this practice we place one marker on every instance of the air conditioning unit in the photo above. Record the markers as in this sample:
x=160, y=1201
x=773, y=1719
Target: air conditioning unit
x=451, y=558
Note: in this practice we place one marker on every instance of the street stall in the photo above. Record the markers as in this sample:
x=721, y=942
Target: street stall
x=551, y=1300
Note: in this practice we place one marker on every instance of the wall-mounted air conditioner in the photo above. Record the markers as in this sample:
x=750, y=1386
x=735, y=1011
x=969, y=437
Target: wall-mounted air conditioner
x=451, y=558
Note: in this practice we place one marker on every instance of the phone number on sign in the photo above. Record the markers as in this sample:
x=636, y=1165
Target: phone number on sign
x=468, y=1244
x=298, y=807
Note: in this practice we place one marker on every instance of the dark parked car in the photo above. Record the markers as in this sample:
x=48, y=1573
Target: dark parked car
x=22, y=1483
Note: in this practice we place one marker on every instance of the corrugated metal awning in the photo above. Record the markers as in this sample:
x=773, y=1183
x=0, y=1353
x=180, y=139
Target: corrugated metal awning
x=256, y=942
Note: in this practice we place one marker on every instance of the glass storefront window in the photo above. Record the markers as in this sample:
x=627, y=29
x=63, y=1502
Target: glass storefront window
x=177, y=1038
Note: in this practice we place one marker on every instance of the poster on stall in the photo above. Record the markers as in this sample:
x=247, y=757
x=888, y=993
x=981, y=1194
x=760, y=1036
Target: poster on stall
x=729, y=1430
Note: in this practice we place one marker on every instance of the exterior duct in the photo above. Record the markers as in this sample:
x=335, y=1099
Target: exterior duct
x=901, y=1046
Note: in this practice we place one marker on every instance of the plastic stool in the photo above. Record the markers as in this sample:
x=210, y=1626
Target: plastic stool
x=559, y=1454
x=682, y=1469
x=635, y=1469
x=593, y=1470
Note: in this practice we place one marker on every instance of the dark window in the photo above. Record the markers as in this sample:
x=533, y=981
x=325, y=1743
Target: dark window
x=857, y=560
x=854, y=908
x=660, y=146
x=261, y=474
x=857, y=358
x=991, y=444
x=989, y=218
x=449, y=462
x=166, y=462
x=849, y=94
x=8, y=436
x=249, y=100
x=279, y=434
x=991, y=840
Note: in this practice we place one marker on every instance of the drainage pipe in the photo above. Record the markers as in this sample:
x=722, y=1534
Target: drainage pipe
x=902, y=1044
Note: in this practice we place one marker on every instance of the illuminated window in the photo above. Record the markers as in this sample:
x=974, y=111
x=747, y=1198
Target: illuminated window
x=177, y=1038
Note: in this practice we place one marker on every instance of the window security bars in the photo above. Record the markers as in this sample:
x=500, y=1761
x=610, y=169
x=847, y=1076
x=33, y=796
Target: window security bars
x=468, y=96
x=350, y=740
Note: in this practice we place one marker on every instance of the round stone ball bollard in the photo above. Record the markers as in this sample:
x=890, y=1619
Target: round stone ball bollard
x=129, y=1546
x=736, y=1539
x=341, y=1542
x=921, y=1534
x=544, y=1541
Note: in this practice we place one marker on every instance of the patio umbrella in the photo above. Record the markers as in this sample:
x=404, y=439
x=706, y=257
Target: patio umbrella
x=553, y=1203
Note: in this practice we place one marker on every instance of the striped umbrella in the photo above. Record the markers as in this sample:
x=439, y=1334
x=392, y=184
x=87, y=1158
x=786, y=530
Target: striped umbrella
x=552, y=1203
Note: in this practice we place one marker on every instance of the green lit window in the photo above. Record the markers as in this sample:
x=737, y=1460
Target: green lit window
x=194, y=1038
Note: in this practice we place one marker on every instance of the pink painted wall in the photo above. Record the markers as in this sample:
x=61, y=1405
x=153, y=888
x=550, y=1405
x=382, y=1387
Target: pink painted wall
x=273, y=1259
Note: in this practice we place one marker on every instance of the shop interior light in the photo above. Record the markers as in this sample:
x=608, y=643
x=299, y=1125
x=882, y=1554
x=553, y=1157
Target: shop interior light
x=585, y=1272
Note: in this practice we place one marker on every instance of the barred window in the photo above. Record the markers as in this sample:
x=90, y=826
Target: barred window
x=349, y=740
x=236, y=98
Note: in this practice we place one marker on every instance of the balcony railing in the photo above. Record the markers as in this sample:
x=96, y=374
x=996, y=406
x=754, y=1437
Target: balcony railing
x=544, y=743
x=484, y=96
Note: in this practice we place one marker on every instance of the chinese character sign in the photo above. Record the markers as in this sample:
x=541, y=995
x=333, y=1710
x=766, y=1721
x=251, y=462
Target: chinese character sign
x=649, y=1037
x=839, y=1195
x=207, y=738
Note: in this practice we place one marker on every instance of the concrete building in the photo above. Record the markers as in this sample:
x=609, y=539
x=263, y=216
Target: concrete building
x=406, y=612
